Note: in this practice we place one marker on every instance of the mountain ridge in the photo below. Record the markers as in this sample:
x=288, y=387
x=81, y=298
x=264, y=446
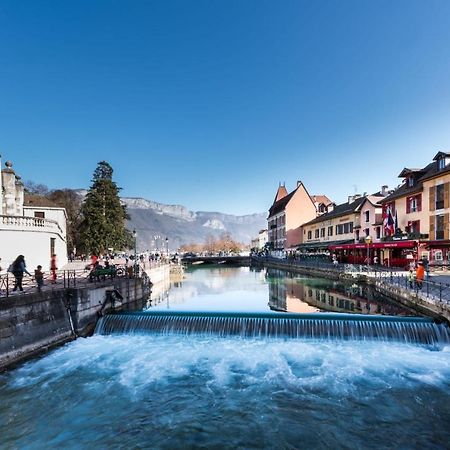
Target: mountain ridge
x=155, y=221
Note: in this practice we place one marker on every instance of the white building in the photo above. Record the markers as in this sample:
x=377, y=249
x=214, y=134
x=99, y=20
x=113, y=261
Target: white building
x=259, y=242
x=33, y=231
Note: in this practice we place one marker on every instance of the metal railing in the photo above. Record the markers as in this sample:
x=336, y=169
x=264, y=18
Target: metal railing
x=428, y=289
x=65, y=279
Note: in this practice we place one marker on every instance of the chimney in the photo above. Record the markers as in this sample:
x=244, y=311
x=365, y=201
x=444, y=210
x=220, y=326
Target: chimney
x=352, y=198
x=298, y=183
x=384, y=190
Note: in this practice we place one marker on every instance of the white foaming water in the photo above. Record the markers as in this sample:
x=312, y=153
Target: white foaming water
x=155, y=391
x=138, y=361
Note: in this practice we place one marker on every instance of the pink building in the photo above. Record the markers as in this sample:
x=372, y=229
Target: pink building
x=289, y=212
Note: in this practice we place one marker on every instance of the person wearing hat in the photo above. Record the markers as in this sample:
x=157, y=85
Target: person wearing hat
x=420, y=274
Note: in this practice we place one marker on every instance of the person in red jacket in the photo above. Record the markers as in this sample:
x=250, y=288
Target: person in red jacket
x=53, y=268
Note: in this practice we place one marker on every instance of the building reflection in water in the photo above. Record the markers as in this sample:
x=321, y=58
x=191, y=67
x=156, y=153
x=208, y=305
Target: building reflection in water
x=300, y=294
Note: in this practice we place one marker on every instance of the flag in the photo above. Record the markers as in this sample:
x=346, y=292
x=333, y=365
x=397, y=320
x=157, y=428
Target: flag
x=396, y=223
x=388, y=222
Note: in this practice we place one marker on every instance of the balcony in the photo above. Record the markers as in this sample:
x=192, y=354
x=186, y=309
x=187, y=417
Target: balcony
x=20, y=223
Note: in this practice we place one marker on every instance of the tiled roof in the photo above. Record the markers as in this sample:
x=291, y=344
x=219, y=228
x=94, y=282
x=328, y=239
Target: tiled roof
x=321, y=199
x=404, y=190
x=281, y=192
x=280, y=205
x=339, y=210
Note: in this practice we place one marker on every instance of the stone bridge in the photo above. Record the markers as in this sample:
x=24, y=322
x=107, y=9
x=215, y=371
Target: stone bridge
x=237, y=260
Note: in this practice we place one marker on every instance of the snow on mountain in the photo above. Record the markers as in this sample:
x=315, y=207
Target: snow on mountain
x=154, y=222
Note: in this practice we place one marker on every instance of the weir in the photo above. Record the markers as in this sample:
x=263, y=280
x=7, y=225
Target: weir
x=414, y=330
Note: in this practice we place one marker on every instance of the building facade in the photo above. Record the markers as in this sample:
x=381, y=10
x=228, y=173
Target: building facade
x=287, y=215
x=33, y=231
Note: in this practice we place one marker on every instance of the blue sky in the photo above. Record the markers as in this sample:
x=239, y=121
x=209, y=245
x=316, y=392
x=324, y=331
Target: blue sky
x=210, y=104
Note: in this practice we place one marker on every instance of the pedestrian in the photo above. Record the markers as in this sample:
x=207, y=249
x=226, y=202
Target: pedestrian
x=420, y=274
x=18, y=268
x=411, y=278
x=375, y=260
x=39, y=277
x=53, y=268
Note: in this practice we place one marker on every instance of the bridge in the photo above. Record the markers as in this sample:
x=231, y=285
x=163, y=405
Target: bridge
x=236, y=260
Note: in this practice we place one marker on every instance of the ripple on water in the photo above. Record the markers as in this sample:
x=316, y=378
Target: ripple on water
x=170, y=391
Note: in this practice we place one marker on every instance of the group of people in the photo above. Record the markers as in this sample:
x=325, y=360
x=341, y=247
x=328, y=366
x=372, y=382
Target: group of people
x=19, y=268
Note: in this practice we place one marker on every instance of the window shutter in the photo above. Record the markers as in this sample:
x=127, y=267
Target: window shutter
x=432, y=221
x=419, y=202
x=446, y=192
x=446, y=226
x=408, y=205
x=432, y=199
x=418, y=226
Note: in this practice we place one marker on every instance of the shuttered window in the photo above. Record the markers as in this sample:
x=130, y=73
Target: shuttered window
x=432, y=227
x=431, y=198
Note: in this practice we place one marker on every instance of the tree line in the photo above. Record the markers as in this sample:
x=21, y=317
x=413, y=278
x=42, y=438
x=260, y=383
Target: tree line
x=224, y=243
x=96, y=223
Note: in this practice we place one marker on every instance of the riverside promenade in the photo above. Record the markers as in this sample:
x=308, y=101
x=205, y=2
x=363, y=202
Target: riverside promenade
x=432, y=298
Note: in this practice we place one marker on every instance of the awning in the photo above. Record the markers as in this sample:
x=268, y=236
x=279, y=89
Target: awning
x=444, y=243
x=320, y=245
x=388, y=244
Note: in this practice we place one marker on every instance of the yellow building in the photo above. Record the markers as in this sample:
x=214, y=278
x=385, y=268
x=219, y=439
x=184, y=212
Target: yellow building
x=418, y=211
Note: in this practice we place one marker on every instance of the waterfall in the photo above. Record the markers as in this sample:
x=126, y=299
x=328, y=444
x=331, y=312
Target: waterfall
x=416, y=330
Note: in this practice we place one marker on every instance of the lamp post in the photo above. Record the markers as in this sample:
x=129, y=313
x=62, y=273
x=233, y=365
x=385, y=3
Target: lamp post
x=167, y=247
x=368, y=242
x=135, y=250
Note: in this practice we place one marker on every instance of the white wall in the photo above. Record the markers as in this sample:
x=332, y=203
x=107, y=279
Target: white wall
x=34, y=245
x=56, y=214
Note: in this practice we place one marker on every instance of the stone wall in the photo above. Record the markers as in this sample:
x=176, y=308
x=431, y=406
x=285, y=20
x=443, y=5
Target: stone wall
x=32, y=323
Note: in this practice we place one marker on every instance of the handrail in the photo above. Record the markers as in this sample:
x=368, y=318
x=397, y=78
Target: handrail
x=64, y=279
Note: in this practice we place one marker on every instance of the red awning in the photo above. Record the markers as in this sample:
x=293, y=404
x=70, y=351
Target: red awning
x=389, y=244
x=437, y=244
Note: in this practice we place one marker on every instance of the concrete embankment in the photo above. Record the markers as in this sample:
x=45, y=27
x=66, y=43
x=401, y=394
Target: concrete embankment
x=412, y=299
x=32, y=323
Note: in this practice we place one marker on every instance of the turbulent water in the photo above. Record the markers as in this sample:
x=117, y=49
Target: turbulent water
x=203, y=392
x=175, y=391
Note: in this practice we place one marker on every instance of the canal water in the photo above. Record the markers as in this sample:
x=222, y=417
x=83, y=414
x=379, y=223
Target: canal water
x=171, y=391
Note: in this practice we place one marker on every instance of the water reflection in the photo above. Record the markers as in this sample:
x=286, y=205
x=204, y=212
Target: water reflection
x=221, y=288
x=300, y=294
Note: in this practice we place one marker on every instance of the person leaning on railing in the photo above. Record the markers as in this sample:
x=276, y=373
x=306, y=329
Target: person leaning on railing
x=420, y=274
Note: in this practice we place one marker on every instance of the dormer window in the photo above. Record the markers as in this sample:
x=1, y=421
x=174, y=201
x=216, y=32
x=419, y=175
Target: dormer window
x=441, y=163
x=410, y=181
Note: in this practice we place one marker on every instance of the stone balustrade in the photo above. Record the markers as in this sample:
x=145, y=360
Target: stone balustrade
x=29, y=223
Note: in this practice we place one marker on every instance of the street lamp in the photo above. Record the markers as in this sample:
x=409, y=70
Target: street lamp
x=167, y=247
x=368, y=242
x=135, y=252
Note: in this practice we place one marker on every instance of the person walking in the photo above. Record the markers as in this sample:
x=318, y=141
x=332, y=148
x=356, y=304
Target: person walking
x=420, y=274
x=39, y=277
x=53, y=268
x=18, y=268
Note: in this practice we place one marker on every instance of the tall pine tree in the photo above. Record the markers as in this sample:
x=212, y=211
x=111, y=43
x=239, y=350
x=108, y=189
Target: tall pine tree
x=104, y=216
